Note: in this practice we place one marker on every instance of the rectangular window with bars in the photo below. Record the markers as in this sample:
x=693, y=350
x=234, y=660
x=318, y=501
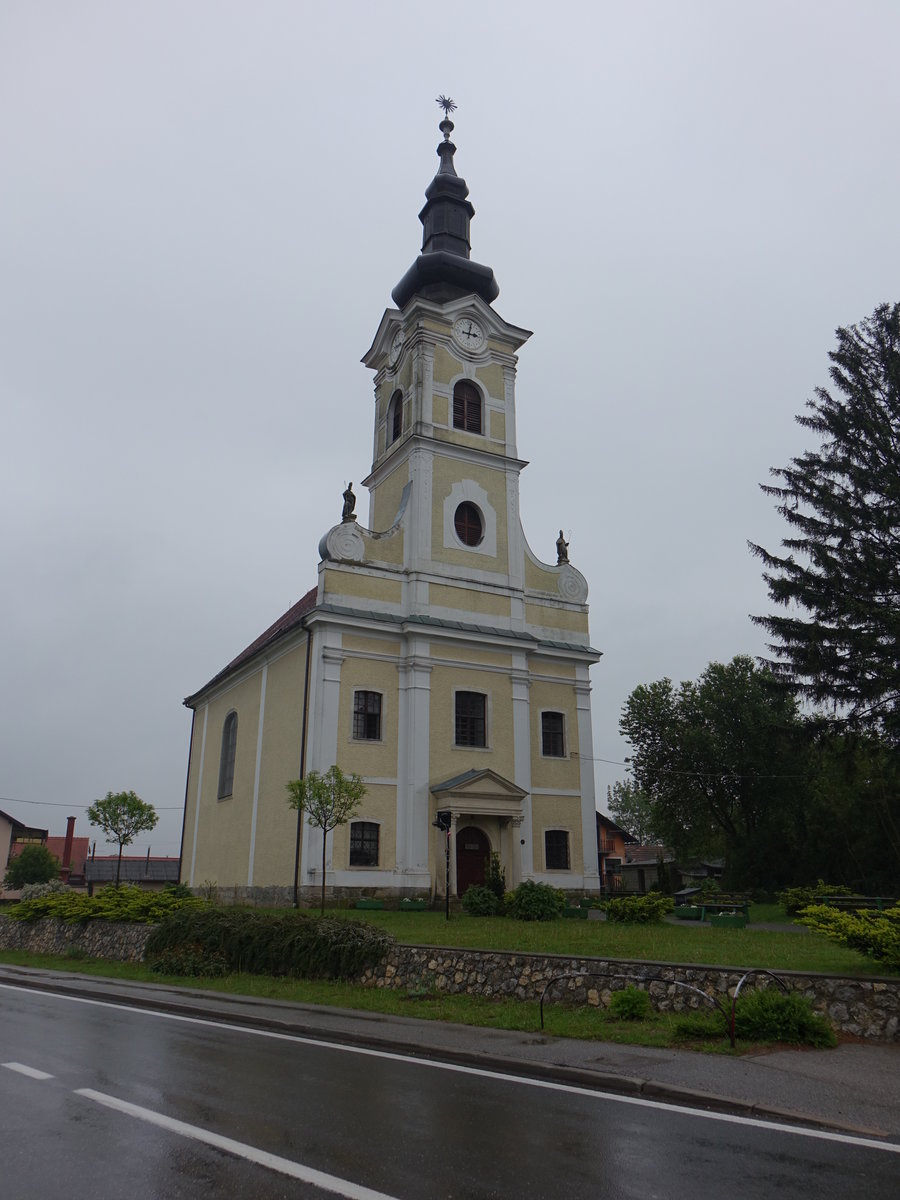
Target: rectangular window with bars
x=363, y=844
x=471, y=719
x=367, y=716
x=556, y=849
x=553, y=742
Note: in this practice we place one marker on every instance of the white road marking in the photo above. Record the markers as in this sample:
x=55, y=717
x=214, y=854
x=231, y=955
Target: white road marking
x=847, y=1139
x=285, y=1166
x=31, y=1072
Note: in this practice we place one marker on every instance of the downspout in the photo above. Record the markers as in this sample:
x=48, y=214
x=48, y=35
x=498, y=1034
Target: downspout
x=302, y=765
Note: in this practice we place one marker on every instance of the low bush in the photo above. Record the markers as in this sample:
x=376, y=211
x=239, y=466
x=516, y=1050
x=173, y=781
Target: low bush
x=630, y=1004
x=480, y=901
x=796, y=898
x=124, y=903
x=770, y=1015
x=639, y=910
x=259, y=943
x=876, y=934
x=31, y=891
x=700, y=1026
x=535, y=902
x=190, y=959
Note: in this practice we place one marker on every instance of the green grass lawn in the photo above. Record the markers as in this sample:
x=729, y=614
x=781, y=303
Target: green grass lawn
x=679, y=943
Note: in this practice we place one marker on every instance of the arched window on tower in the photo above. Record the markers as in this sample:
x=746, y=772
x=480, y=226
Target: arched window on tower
x=467, y=407
x=395, y=417
x=226, y=758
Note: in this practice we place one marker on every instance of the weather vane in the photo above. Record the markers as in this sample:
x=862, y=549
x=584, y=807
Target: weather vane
x=446, y=104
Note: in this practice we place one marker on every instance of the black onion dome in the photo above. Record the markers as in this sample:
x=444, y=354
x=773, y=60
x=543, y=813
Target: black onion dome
x=444, y=271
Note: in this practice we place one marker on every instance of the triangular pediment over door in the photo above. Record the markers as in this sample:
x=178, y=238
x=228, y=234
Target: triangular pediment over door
x=480, y=793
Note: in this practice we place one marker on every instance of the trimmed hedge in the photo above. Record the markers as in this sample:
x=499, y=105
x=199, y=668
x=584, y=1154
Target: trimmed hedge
x=124, y=903
x=258, y=943
x=639, y=910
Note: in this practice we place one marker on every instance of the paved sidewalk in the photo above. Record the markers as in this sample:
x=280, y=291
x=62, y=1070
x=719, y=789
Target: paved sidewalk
x=855, y=1088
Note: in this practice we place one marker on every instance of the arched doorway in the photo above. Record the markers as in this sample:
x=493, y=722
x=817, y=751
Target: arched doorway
x=472, y=853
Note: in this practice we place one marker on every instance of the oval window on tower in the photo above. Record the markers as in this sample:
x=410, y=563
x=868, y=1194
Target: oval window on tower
x=468, y=524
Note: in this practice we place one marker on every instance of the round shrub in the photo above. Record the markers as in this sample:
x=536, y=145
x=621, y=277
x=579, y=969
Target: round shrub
x=480, y=901
x=770, y=1015
x=630, y=1004
x=535, y=902
x=189, y=960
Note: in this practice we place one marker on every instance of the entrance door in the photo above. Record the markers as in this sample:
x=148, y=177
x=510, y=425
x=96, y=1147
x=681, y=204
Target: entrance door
x=472, y=853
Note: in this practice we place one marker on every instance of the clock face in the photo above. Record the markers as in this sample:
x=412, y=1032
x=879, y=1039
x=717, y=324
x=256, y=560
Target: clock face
x=468, y=333
x=396, y=345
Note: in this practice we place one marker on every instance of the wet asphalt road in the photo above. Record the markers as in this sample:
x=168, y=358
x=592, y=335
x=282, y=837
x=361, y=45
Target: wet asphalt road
x=365, y=1119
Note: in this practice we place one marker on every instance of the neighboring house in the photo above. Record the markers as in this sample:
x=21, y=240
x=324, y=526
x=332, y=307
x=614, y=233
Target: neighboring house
x=69, y=851
x=13, y=836
x=641, y=872
x=612, y=844
x=152, y=874
x=438, y=656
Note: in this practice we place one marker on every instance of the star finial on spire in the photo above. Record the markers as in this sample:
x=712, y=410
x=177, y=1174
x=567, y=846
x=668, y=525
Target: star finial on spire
x=446, y=104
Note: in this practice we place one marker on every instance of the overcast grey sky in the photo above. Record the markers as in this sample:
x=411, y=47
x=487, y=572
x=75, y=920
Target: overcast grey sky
x=205, y=205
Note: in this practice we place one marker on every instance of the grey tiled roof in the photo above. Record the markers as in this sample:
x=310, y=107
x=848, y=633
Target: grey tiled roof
x=134, y=870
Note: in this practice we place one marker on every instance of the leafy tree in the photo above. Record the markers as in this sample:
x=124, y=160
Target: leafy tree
x=35, y=864
x=724, y=764
x=839, y=645
x=632, y=809
x=329, y=800
x=122, y=816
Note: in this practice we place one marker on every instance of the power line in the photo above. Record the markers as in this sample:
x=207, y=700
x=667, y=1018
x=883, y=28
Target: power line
x=60, y=804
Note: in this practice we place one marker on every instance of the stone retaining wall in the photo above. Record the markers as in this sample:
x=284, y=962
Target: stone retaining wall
x=97, y=939
x=866, y=1007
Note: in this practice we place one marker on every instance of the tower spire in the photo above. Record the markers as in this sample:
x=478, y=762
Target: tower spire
x=444, y=270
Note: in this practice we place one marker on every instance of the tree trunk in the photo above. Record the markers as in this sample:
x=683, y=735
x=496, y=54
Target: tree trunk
x=324, y=844
x=119, y=865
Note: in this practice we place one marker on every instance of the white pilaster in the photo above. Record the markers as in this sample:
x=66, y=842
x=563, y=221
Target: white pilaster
x=259, y=748
x=521, y=685
x=413, y=797
x=588, y=803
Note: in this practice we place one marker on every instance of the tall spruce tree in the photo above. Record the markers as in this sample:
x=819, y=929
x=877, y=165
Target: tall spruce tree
x=839, y=645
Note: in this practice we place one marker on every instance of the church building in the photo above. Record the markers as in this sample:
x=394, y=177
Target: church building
x=437, y=656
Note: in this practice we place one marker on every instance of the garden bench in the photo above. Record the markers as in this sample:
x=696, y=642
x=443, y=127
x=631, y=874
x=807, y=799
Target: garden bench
x=852, y=903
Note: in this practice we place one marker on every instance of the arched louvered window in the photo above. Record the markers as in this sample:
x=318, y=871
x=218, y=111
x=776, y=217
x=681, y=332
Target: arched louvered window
x=395, y=417
x=226, y=758
x=467, y=407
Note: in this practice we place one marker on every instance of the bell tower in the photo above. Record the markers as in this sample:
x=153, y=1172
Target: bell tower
x=445, y=420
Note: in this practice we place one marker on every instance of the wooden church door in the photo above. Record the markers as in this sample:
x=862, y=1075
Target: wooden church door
x=472, y=853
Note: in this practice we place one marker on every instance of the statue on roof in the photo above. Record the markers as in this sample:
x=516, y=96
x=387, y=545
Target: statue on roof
x=349, y=513
x=562, y=550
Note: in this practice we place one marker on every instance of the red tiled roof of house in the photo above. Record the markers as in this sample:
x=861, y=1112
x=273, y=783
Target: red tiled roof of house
x=80, y=849
x=285, y=624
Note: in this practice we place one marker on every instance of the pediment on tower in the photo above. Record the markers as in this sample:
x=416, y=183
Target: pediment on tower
x=423, y=318
x=480, y=792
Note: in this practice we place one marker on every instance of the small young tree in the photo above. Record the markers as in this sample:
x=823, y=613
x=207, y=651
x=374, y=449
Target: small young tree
x=122, y=816
x=34, y=865
x=329, y=800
